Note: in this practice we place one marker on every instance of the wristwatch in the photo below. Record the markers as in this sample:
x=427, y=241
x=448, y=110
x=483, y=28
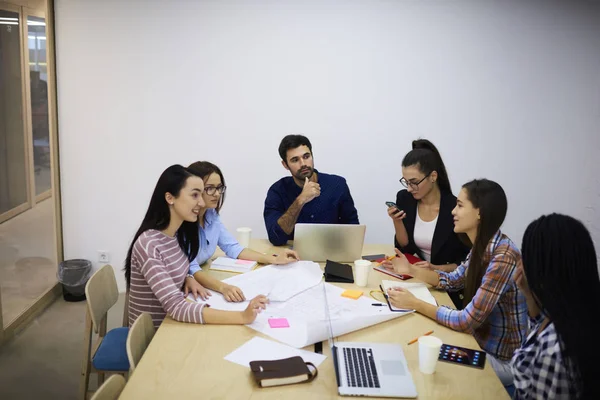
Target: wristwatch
x=190, y=276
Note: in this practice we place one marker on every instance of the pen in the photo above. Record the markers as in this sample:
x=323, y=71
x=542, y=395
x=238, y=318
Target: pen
x=415, y=339
x=378, y=305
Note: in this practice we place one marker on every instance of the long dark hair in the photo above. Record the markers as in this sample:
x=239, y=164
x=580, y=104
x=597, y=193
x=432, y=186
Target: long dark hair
x=427, y=157
x=204, y=169
x=490, y=199
x=562, y=272
x=158, y=216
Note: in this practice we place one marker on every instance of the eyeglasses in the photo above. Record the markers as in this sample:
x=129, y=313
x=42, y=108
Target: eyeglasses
x=211, y=190
x=413, y=185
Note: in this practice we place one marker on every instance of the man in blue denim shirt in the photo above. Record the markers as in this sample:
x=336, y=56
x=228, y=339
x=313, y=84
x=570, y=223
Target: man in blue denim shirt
x=308, y=196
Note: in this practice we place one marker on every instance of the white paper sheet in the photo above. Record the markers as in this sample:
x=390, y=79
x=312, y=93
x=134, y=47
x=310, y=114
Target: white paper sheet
x=262, y=349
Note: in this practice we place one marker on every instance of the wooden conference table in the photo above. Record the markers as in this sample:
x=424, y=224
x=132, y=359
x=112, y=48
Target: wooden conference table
x=186, y=361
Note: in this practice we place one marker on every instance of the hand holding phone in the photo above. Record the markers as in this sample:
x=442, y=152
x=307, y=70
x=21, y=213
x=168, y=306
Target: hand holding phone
x=394, y=212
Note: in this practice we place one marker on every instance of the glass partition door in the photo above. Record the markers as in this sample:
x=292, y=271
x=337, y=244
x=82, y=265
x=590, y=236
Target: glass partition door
x=38, y=88
x=30, y=242
x=14, y=166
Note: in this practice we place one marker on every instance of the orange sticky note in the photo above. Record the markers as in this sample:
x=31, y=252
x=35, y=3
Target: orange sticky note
x=352, y=294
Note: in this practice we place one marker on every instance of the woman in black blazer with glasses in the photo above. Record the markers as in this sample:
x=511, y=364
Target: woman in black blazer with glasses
x=423, y=220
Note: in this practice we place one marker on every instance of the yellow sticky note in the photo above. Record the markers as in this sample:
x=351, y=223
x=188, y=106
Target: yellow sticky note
x=352, y=294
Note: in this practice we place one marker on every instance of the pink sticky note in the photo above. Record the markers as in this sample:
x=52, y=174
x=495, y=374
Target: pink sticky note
x=279, y=323
x=243, y=262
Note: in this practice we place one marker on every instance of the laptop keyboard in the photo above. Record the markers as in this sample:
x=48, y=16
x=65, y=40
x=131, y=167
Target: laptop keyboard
x=360, y=368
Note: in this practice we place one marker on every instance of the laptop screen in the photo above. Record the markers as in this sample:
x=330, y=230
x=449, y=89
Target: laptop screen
x=336, y=242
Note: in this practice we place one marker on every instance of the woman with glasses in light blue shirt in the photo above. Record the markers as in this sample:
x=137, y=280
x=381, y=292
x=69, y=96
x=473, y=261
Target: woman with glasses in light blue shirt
x=212, y=233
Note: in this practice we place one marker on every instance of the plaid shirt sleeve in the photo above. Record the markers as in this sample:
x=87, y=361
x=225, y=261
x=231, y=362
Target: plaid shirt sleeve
x=494, y=282
x=454, y=280
x=538, y=368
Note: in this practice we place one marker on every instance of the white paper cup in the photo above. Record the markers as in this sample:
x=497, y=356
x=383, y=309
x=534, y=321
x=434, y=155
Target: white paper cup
x=361, y=272
x=243, y=236
x=429, y=351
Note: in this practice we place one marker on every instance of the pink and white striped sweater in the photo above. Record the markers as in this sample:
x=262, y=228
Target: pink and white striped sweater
x=158, y=270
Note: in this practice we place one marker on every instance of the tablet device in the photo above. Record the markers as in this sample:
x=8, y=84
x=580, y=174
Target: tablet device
x=462, y=355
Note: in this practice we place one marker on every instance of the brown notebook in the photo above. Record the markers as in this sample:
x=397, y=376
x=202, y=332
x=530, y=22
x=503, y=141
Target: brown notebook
x=282, y=372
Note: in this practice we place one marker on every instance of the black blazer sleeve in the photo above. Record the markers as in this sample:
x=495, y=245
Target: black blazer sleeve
x=407, y=203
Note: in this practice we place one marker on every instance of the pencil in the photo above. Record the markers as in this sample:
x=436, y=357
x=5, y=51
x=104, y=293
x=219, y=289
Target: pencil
x=387, y=258
x=415, y=339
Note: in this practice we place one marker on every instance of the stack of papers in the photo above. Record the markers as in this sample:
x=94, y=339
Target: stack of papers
x=296, y=293
x=420, y=290
x=232, y=265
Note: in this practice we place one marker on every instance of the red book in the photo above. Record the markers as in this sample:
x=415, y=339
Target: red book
x=412, y=259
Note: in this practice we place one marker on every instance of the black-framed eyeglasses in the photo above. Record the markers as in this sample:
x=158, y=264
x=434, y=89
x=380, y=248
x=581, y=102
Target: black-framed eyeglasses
x=413, y=185
x=211, y=190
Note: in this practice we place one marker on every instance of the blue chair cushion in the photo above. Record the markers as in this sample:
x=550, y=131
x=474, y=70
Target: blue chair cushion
x=112, y=353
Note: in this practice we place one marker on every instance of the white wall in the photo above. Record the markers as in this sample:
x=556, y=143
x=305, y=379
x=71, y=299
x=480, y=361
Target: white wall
x=507, y=90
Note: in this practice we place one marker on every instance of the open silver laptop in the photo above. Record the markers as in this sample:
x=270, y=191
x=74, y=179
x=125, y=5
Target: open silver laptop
x=369, y=369
x=336, y=242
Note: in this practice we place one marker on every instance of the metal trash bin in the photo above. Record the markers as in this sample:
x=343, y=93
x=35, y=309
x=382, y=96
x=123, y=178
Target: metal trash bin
x=73, y=275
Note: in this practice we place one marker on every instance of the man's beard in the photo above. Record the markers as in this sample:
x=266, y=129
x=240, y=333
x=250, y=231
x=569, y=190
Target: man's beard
x=302, y=173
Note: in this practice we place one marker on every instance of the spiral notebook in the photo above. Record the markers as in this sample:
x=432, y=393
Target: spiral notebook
x=419, y=290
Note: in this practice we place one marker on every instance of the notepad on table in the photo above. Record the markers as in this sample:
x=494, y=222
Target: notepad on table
x=232, y=265
x=285, y=371
x=420, y=291
x=352, y=294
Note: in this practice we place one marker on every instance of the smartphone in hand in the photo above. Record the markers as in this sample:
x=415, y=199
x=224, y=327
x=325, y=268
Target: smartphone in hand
x=391, y=204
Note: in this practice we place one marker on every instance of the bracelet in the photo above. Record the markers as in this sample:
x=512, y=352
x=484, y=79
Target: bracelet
x=190, y=276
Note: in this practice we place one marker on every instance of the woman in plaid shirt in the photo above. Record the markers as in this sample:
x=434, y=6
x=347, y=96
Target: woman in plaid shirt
x=496, y=312
x=559, y=277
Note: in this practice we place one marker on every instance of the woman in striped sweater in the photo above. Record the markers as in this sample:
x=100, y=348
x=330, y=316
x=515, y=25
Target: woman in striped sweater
x=159, y=257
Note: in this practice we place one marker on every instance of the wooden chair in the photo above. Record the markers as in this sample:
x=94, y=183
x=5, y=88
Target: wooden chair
x=140, y=336
x=111, y=389
x=109, y=353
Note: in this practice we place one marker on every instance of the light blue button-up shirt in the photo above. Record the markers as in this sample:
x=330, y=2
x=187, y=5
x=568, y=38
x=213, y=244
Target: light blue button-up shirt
x=214, y=233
